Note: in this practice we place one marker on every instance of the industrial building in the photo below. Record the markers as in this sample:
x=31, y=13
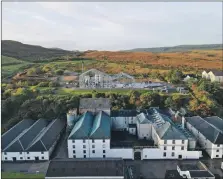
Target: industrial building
x=209, y=133
x=85, y=168
x=92, y=136
x=31, y=140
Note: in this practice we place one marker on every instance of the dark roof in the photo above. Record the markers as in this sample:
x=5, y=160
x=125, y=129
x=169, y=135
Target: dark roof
x=216, y=121
x=22, y=141
x=85, y=167
x=212, y=133
x=48, y=136
x=172, y=174
x=217, y=73
x=124, y=113
x=194, y=174
x=92, y=103
x=15, y=131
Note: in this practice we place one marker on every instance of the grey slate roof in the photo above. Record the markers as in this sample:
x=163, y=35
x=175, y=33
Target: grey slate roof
x=21, y=142
x=216, y=121
x=92, y=103
x=211, y=132
x=203, y=174
x=101, y=128
x=217, y=73
x=85, y=168
x=14, y=132
x=124, y=113
x=47, y=136
x=143, y=118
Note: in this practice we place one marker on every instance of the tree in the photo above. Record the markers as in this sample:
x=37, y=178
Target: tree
x=43, y=84
x=59, y=72
x=53, y=84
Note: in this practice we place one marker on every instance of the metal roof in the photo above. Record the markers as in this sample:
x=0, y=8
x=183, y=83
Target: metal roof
x=86, y=168
x=215, y=121
x=47, y=136
x=101, y=126
x=83, y=126
x=92, y=103
x=217, y=73
x=203, y=174
x=94, y=71
x=14, y=132
x=209, y=130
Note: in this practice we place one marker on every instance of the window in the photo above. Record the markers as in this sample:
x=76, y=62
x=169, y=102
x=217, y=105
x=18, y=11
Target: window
x=84, y=146
x=42, y=157
x=83, y=140
x=93, y=146
x=173, y=141
x=74, y=151
x=218, y=145
x=164, y=148
x=74, y=156
x=217, y=150
x=6, y=158
x=84, y=151
x=28, y=157
x=73, y=141
x=145, y=156
x=74, y=146
x=165, y=142
x=21, y=158
x=164, y=154
x=172, y=154
x=173, y=148
x=103, y=145
x=93, y=151
x=27, y=152
x=217, y=155
x=5, y=153
x=20, y=152
x=182, y=148
x=84, y=156
x=103, y=140
x=182, y=141
x=103, y=151
x=103, y=156
x=92, y=140
x=42, y=152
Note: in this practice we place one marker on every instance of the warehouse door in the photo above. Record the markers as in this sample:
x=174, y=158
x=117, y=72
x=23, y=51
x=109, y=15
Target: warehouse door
x=137, y=155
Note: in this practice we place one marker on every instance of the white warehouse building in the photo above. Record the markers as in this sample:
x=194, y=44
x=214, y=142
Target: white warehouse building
x=92, y=137
x=31, y=140
x=209, y=133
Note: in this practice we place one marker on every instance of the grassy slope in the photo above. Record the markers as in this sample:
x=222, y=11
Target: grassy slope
x=12, y=65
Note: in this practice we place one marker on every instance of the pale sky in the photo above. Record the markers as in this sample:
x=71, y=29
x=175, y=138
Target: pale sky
x=112, y=26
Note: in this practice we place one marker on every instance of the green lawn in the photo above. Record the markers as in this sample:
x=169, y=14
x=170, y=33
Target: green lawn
x=11, y=175
x=10, y=61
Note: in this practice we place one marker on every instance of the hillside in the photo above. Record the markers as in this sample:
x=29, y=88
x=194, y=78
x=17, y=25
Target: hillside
x=31, y=52
x=186, y=61
x=179, y=48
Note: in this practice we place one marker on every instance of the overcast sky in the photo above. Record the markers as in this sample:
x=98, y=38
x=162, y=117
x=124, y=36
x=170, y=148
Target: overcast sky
x=112, y=26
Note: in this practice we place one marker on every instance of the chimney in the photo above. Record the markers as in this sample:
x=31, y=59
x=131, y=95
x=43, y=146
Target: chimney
x=183, y=122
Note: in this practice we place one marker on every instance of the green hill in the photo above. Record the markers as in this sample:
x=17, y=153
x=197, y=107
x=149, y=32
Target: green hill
x=179, y=48
x=10, y=61
x=32, y=52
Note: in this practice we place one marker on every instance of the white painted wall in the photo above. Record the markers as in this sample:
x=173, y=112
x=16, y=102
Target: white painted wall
x=8, y=156
x=32, y=155
x=125, y=153
x=144, y=131
x=132, y=131
x=92, y=150
x=121, y=123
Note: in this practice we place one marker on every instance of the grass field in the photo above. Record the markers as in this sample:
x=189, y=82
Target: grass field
x=10, y=61
x=10, y=175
